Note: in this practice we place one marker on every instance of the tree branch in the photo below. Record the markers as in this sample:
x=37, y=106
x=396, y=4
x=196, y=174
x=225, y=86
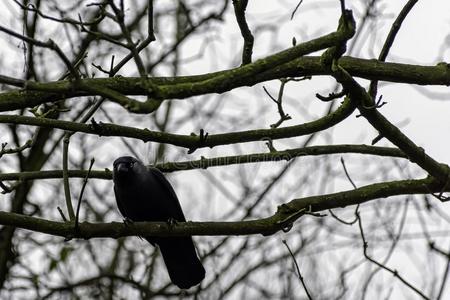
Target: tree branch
x=369, y=110
x=183, y=87
x=205, y=163
x=191, y=142
x=285, y=215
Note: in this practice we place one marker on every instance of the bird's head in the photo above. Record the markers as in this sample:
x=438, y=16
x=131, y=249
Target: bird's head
x=127, y=168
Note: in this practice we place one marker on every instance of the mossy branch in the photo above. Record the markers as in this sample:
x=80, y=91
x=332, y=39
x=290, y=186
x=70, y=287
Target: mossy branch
x=285, y=215
x=182, y=87
x=205, y=163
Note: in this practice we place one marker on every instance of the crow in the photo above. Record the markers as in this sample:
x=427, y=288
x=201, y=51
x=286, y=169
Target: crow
x=144, y=194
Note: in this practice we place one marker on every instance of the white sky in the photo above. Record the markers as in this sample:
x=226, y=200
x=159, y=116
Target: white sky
x=420, y=41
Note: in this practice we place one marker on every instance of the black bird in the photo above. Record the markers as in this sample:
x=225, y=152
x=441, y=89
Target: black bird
x=144, y=194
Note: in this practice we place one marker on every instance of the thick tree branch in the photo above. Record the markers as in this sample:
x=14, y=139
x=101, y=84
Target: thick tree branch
x=191, y=142
x=386, y=129
x=220, y=83
x=285, y=215
x=183, y=87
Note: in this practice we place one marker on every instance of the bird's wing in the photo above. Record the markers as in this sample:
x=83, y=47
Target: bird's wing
x=172, y=196
x=120, y=204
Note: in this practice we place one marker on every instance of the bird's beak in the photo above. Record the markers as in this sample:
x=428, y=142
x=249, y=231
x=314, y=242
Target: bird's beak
x=122, y=168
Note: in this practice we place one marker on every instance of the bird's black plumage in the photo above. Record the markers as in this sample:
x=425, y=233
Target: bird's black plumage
x=144, y=194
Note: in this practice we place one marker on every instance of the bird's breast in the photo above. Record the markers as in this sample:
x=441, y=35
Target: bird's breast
x=139, y=202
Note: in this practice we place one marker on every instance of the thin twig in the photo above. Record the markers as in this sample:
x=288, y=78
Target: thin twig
x=80, y=197
x=12, y=81
x=331, y=96
x=346, y=173
x=357, y=206
x=28, y=144
x=446, y=271
x=50, y=44
x=279, y=100
x=296, y=8
x=67, y=195
x=31, y=7
x=62, y=214
x=298, y=270
x=150, y=29
x=205, y=163
x=120, y=19
x=393, y=272
x=390, y=41
x=6, y=189
x=66, y=140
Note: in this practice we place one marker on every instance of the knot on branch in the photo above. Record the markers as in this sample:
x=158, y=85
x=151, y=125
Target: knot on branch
x=269, y=144
x=376, y=105
x=203, y=162
x=346, y=28
x=287, y=216
x=97, y=127
x=201, y=140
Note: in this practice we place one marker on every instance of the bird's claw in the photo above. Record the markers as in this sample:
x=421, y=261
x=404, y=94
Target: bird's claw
x=171, y=222
x=128, y=221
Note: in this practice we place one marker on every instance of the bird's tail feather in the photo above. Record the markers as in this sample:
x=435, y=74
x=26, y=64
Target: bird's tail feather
x=184, y=267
